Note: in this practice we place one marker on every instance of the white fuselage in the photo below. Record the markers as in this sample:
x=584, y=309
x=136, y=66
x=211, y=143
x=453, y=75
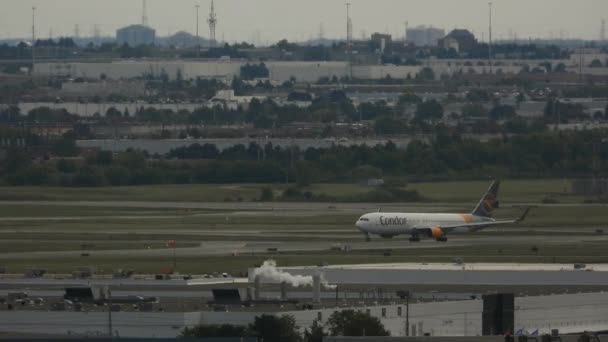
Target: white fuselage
x=392, y=224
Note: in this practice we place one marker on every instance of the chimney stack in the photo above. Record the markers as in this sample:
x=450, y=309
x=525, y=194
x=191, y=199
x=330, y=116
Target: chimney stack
x=283, y=291
x=316, y=288
x=256, y=290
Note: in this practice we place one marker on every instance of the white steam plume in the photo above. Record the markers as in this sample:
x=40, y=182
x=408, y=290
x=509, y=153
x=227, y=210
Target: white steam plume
x=269, y=272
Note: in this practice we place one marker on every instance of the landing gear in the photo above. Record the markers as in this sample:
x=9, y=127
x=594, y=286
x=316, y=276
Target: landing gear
x=415, y=237
x=367, y=238
x=442, y=239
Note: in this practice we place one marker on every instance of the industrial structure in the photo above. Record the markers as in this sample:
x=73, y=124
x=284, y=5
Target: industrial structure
x=424, y=35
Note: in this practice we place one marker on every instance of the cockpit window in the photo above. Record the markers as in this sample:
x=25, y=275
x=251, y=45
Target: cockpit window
x=364, y=219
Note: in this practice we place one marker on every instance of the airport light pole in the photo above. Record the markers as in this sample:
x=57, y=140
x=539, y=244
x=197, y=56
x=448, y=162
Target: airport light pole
x=33, y=39
x=109, y=294
x=198, y=37
x=173, y=244
x=490, y=40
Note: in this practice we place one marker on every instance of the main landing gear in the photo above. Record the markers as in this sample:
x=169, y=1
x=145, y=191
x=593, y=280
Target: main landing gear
x=442, y=239
x=415, y=237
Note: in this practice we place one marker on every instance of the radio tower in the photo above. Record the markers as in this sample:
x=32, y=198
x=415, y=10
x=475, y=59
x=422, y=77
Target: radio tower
x=144, y=13
x=212, y=24
x=603, y=31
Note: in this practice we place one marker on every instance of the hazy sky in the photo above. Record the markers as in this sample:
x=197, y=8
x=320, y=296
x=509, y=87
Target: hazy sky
x=271, y=20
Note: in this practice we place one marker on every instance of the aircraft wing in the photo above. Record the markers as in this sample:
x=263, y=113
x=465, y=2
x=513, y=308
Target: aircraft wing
x=476, y=226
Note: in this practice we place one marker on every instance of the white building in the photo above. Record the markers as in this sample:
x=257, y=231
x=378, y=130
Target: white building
x=424, y=35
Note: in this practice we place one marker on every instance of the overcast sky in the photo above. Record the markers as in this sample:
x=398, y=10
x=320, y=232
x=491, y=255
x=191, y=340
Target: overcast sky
x=271, y=20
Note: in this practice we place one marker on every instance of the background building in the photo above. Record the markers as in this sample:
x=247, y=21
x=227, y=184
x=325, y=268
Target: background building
x=136, y=35
x=424, y=35
x=381, y=42
x=465, y=39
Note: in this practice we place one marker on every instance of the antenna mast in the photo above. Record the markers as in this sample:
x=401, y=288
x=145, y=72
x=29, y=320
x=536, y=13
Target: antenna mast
x=144, y=13
x=212, y=24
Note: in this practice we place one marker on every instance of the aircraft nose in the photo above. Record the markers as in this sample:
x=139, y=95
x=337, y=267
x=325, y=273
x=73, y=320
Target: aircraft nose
x=360, y=224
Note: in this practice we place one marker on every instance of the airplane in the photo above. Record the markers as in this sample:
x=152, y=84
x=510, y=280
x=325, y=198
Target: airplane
x=435, y=225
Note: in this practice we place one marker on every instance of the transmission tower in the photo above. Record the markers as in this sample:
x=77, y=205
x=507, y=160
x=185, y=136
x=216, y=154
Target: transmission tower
x=76, y=31
x=603, y=31
x=144, y=13
x=212, y=24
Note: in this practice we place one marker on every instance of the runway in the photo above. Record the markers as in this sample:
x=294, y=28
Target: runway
x=230, y=248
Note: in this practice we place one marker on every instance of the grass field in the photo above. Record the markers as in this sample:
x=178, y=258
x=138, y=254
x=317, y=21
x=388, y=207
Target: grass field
x=40, y=227
x=528, y=191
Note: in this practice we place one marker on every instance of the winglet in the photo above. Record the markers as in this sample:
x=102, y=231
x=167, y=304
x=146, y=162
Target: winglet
x=525, y=213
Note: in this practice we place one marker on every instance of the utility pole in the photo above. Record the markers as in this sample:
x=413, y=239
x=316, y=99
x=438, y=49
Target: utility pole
x=33, y=39
x=198, y=37
x=349, y=34
x=580, y=66
x=490, y=41
x=407, y=314
x=144, y=13
x=109, y=294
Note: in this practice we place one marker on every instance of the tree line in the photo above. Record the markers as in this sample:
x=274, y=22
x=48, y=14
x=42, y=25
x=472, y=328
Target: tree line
x=446, y=156
x=270, y=328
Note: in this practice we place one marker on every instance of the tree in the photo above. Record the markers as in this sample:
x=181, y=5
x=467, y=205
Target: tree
x=355, y=323
x=386, y=125
x=474, y=110
x=316, y=332
x=267, y=195
x=271, y=328
x=253, y=71
x=478, y=95
x=224, y=330
x=502, y=112
x=65, y=147
x=596, y=63
x=548, y=66
x=409, y=98
x=561, y=67
x=519, y=99
x=112, y=112
x=429, y=111
x=426, y=74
